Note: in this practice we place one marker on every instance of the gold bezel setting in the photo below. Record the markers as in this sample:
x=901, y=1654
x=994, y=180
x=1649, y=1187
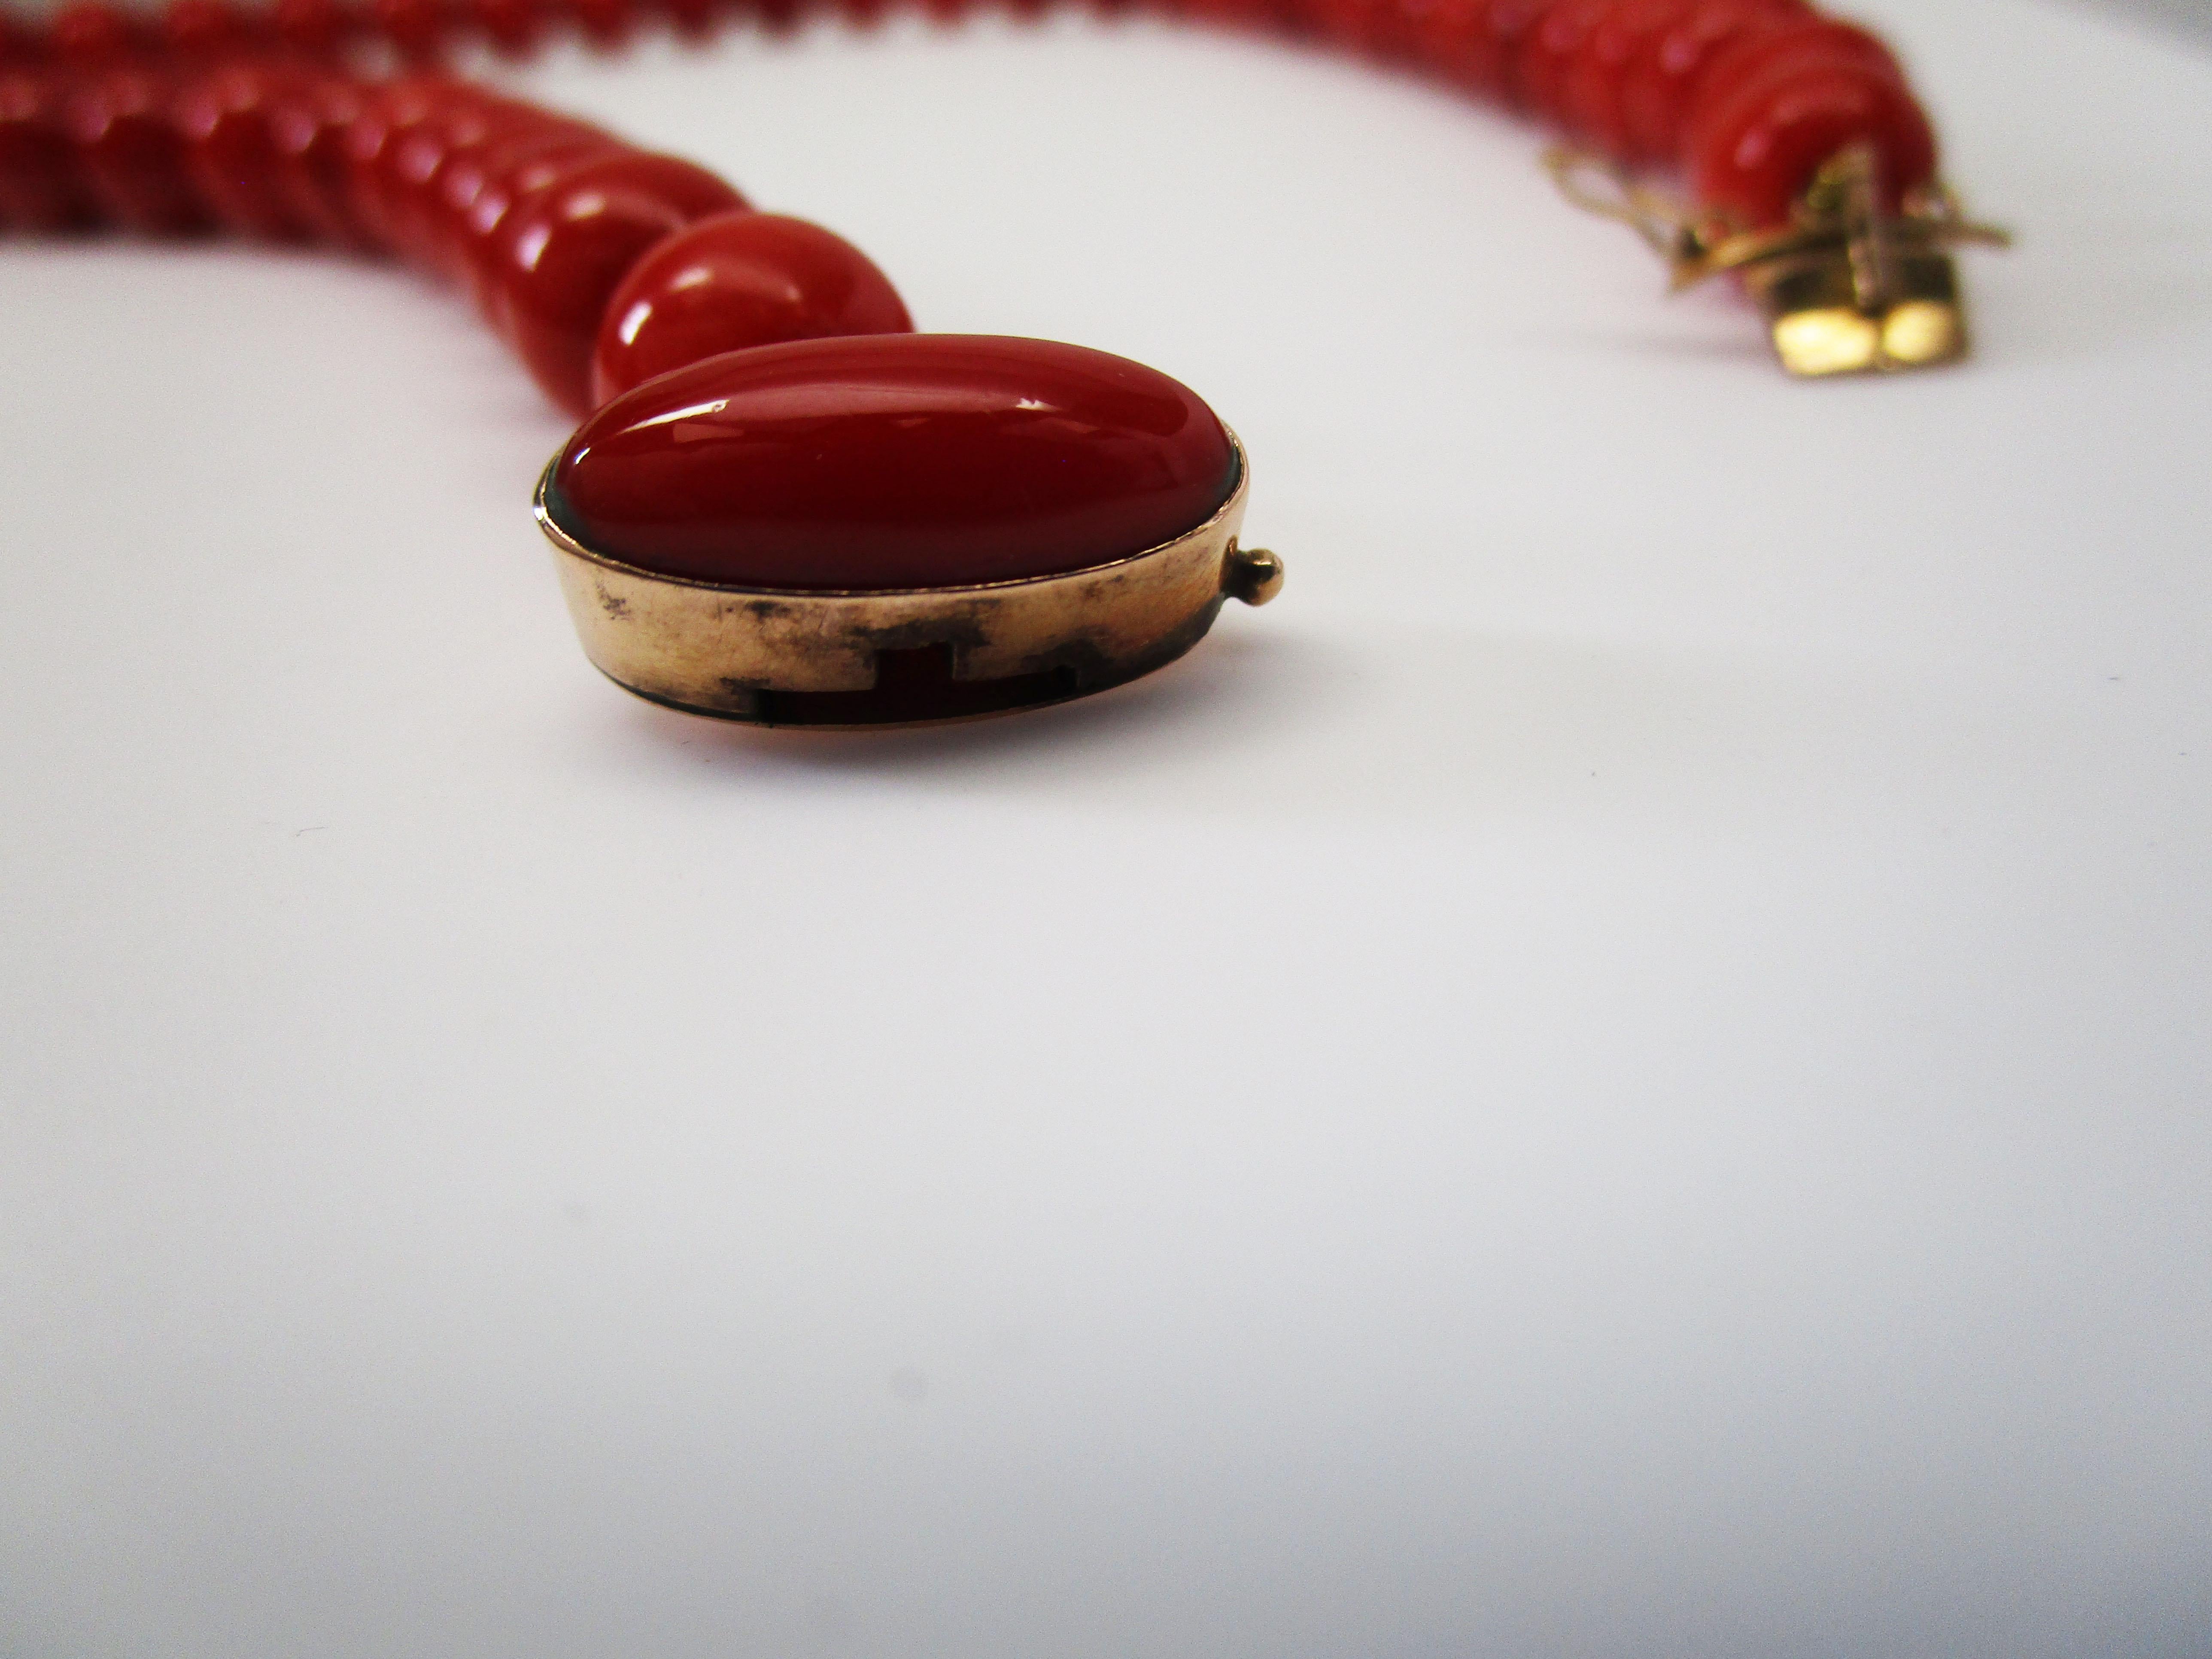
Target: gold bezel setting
x=906, y=656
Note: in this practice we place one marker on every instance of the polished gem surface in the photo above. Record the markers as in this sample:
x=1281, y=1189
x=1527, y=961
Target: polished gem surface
x=736, y=280
x=558, y=255
x=893, y=460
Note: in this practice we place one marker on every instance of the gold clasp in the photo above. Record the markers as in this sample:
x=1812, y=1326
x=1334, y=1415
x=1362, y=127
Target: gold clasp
x=1846, y=288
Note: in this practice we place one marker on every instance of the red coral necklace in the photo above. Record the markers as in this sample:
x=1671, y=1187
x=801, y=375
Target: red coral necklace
x=784, y=506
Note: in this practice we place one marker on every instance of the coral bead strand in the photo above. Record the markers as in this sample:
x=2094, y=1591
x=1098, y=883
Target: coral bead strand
x=541, y=217
x=208, y=115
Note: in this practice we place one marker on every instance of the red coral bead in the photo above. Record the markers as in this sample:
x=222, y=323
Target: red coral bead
x=1559, y=40
x=416, y=29
x=781, y=16
x=736, y=280
x=133, y=156
x=439, y=171
x=893, y=461
x=408, y=170
x=40, y=185
x=486, y=175
x=230, y=150
x=1801, y=39
x=307, y=128
x=1656, y=88
x=484, y=186
x=1512, y=24
x=383, y=109
x=316, y=27
x=389, y=114
x=22, y=43
x=695, y=19
x=480, y=189
x=1453, y=37
x=1590, y=89
x=606, y=24
x=513, y=26
x=561, y=254
x=91, y=32
x=207, y=28
x=1390, y=32
x=1755, y=152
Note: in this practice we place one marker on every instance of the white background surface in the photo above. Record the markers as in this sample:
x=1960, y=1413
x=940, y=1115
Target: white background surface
x=1623, y=1072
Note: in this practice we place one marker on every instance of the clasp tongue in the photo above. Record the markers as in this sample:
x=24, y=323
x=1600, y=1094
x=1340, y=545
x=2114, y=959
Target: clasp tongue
x=1846, y=288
